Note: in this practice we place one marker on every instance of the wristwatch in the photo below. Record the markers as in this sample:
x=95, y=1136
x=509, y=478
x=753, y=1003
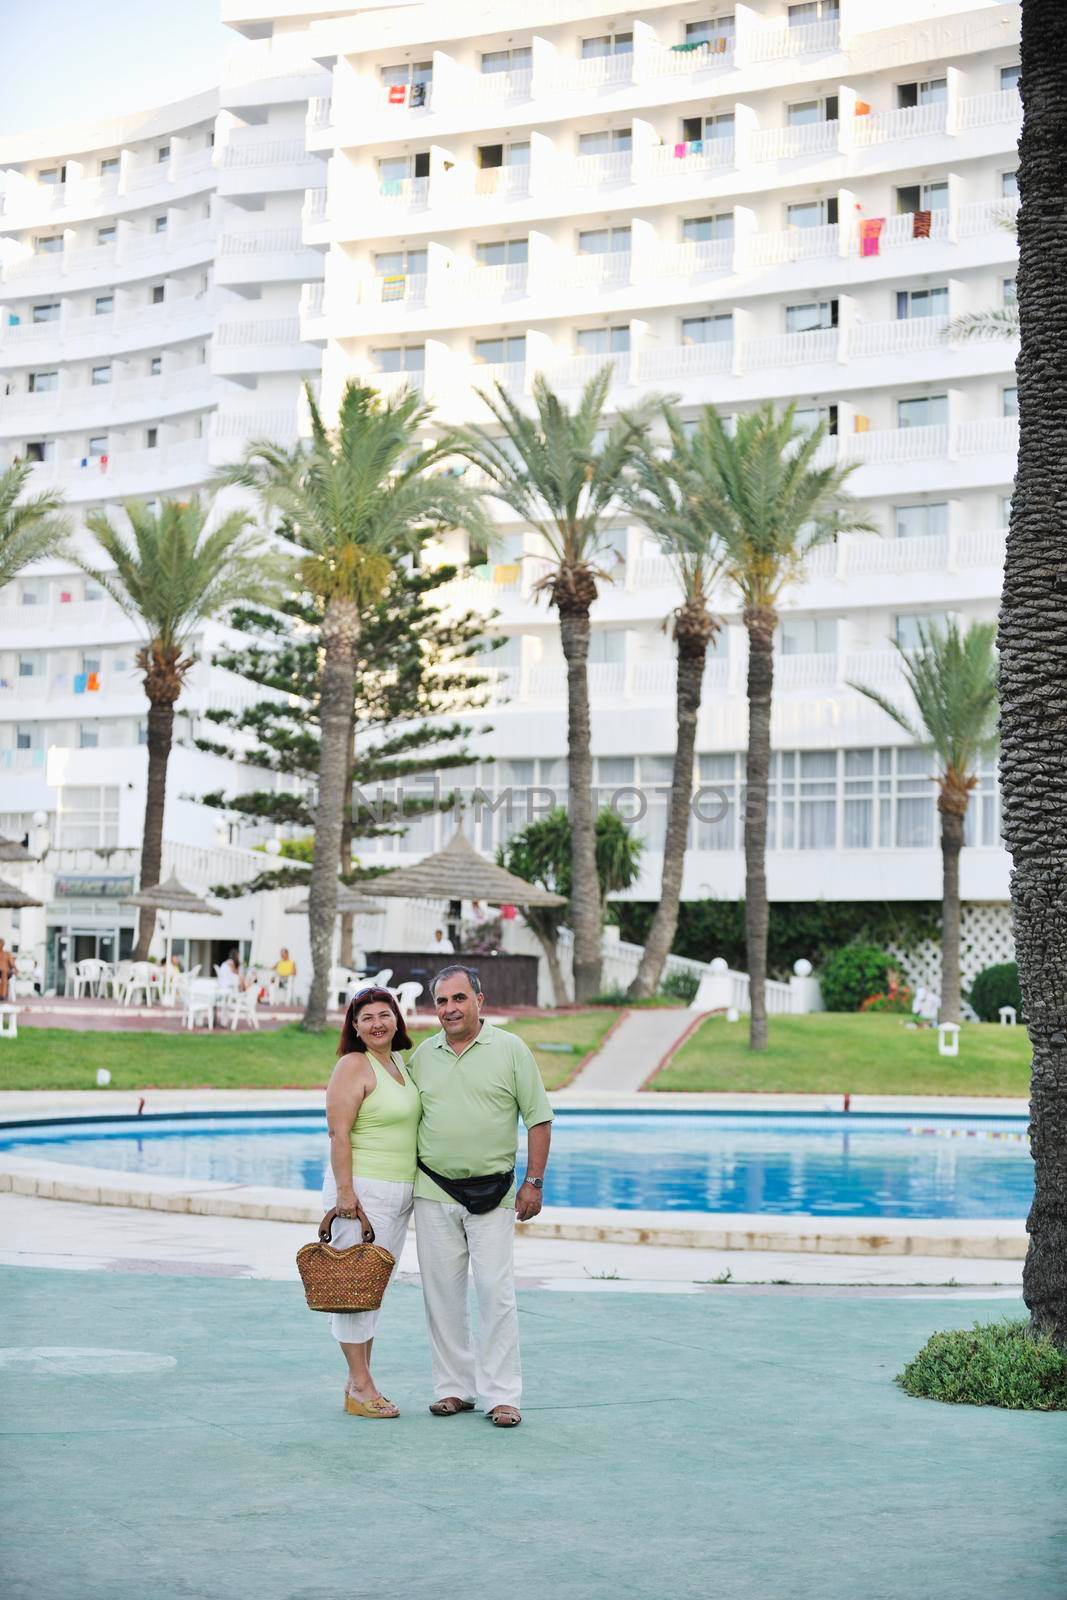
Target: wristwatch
x=537, y=1183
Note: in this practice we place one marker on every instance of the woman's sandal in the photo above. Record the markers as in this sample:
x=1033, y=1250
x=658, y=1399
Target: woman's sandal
x=379, y=1408
x=504, y=1417
x=449, y=1406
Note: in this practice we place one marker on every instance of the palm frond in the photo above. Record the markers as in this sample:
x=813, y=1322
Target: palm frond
x=32, y=527
x=993, y=322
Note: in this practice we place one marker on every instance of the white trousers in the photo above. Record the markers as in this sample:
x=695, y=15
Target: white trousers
x=450, y=1243
x=388, y=1208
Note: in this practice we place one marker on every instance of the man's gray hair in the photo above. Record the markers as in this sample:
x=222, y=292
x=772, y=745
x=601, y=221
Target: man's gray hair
x=470, y=973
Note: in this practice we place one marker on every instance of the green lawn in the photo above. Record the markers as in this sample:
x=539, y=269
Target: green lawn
x=59, y=1058
x=834, y=1053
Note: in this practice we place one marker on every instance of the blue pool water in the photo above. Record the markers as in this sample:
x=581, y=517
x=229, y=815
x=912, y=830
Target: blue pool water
x=828, y=1165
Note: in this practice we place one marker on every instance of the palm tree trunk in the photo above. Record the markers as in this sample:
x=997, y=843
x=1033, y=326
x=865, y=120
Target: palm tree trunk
x=691, y=657
x=348, y=920
x=585, y=892
x=160, y=739
x=1033, y=654
x=951, y=844
x=340, y=636
x=760, y=625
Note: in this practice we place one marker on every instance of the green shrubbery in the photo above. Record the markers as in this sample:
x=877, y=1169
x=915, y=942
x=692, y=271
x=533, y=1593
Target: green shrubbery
x=852, y=974
x=995, y=987
x=998, y=1364
x=680, y=986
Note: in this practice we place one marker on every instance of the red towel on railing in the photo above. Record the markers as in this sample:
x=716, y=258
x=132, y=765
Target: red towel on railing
x=870, y=236
x=920, y=224
x=398, y=93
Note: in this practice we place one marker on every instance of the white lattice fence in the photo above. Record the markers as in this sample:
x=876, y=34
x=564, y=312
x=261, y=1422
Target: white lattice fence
x=985, y=940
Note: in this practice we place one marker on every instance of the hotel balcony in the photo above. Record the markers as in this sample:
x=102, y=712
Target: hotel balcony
x=141, y=182
x=82, y=337
x=126, y=473
x=256, y=162
x=247, y=345
x=84, y=406
x=265, y=255
x=134, y=254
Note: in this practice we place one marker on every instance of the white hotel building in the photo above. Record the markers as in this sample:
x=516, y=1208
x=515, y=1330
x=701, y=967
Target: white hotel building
x=731, y=203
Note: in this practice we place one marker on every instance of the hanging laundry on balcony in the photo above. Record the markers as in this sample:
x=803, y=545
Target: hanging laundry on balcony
x=862, y=109
x=871, y=236
x=398, y=93
x=394, y=287
x=92, y=682
x=920, y=224
x=390, y=186
x=418, y=95
x=679, y=151
x=506, y=574
x=65, y=597
x=721, y=46
x=13, y=319
x=84, y=462
x=860, y=423
x=481, y=573
x=696, y=147
x=689, y=46
x=81, y=682
x=103, y=463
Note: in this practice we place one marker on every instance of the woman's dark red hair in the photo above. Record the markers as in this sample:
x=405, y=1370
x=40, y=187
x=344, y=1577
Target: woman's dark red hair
x=350, y=1039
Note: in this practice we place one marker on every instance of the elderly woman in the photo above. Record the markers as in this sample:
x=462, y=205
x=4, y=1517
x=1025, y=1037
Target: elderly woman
x=372, y=1111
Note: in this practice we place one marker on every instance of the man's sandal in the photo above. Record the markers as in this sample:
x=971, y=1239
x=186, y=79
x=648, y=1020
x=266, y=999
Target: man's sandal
x=449, y=1406
x=504, y=1417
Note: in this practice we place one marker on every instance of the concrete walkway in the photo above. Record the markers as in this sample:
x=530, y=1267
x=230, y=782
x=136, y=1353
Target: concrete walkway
x=634, y=1048
x=183, y=1438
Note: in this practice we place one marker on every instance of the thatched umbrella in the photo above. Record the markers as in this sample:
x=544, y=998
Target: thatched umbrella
x=12, y=899
x=459, y=872
x=13, y=850
x=171, y=896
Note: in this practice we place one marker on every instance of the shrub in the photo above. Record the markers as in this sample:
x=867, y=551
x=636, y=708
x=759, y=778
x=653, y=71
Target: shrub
x=614, y=995
x=896, y=1000
x=680, y=986
x=852, y=974
x=995, y=987
x=998, y=1364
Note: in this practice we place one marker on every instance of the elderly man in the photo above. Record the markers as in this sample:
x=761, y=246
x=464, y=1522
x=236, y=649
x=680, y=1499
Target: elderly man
x=475, y=1082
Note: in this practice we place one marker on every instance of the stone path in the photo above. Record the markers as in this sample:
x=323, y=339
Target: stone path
x=634, y=1049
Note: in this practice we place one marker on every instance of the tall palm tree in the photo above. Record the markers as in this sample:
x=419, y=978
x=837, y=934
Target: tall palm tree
x=353, y=500
x=561, y=471
x=170, y=574
x=1033, y=653
x=676, y=497
x=31, y=528
x=772, y=506
x=952, y=677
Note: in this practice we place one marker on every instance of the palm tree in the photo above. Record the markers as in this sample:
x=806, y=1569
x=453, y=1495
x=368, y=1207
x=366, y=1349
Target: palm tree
x=29, y=529
x=952, y=677
x=170, y=574
x=353, y=500
x=1032, y=640
x=991, y=322
x=772, y=506
x=561, y=470
x=675, y=497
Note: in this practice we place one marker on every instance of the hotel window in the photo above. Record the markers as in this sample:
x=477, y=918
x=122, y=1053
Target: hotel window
x=908, y=627
x=807, y=636
x=397, y=358
x=406, y=72
x=33, y=592
x=49, y=312
x=917, y=522
x=608, y=44
x=1005, y=510
x=397, y=169
x=163, y=153
x=807, y=418
x=802, y=813
x=28, y=736
x=109, y=166
x=710, y=31
x=1010, y=76
x=502, y=253
x=812, y=213
x=607, y=142
x=52, y=175
x=914, y=799
x=981, y=824
x=1009, y=185
x=927, y=411
x=40, y=450
x=922, y=197
x=814, y=11
x=107, y=234
x=602, y=341
x=1009, y=402
x=518, y=59
x=399, y=263
x=98, y=446
x=914, y=303
x=88, y=736
x=604, y=241
x=159, y=293
x=607, y=647
x=31, y=664
x=811, y=315
x=494, y=352
x=155, y=366
x=151, y=438
x=91, y=590
x=104, y=305
x=804, y=111
x=48, y=244
x=43, y=382
x=100, y=375
x=718, y=329
x=718, y=812
x=717, y=127
x=1008, y=292
x=159, y=225
x=491, y=156
x=87, y=818
x=928, y=92
x=699, y=230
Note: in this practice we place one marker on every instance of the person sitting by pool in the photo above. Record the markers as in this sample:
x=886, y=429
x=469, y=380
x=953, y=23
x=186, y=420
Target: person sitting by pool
x=372, y=1112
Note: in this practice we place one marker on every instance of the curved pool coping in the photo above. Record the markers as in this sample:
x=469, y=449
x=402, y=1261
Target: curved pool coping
x=1002, y=1239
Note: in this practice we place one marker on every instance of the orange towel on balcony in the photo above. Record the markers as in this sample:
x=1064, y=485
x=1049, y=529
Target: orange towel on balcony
x=506, y=574
x=870, y=236
x=920, y=224
x=398, y=93
x=92, y=681
x=861, y=424
x=862, y=108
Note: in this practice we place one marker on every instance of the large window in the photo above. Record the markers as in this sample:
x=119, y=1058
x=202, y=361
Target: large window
x=605, y=142
x=716, y=329
x=921, y=303
x=909, y=626
x=807, y=636
x=87, y=818
x=407, y=263
x=926, y=92
x=43, y=382
x=603, y=241
x=719, y=126
x=916, y=522
x=502, y=253
x=811, y=213
x=922, y=197
x=1010, y=77
x=608, y=44
x=710, y=30
x=409, y=358
x=602, y=341
x=809, y=316
x=497, y=351
x=928, y=411
x=699, y=230
x=518, y=59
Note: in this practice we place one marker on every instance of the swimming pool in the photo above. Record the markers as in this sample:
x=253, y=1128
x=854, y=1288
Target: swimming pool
x=830, y=1164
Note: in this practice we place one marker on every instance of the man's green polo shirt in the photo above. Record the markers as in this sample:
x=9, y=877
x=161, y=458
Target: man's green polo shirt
x=471, y=1106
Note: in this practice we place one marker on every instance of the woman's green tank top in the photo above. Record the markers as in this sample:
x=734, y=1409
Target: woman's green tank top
x=385, y=1131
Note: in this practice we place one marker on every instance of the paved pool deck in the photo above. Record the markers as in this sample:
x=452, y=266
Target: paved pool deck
x=717, y=1447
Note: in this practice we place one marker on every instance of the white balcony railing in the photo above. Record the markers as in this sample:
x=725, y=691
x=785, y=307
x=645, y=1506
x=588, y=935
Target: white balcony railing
x=895, y=338
x=594, y=72
x=513, y=179
x=613, y=266
x=899, y=231
x=684, y=361
x=814, y=671
x=411, y=194
x=501, y=86
x=790, y=244
x=660, y=61
x=575, y=372
x=591, y=172
x=262, y=241
x=319, y=112
x=790, y=349
x=247, y=331
x=988, y=436
x=986, y=216
x=777, y=44
x=692, y=258
x=989, y=110
x=910, y=122
x=259, y=152
x=895, y=444
x=684, y=160
x=779, y=144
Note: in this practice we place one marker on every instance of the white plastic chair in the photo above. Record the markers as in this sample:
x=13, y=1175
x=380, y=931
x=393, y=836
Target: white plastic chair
x=406, y=994
x=116, y=979
x=200, y=996
x=88, y=975
x=344, y=982
x=381, y=979
x=141, y=982
x=242, y=1008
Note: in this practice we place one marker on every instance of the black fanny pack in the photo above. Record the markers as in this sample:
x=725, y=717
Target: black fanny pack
x=477, y=1194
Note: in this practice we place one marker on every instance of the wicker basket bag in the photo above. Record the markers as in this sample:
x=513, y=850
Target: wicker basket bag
x=353, y=1279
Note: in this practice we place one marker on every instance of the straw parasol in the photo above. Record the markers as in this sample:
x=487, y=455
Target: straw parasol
x=12, y=850
x=349, y=903
x=460, y=872
x=171, y=896
x=12, y=899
